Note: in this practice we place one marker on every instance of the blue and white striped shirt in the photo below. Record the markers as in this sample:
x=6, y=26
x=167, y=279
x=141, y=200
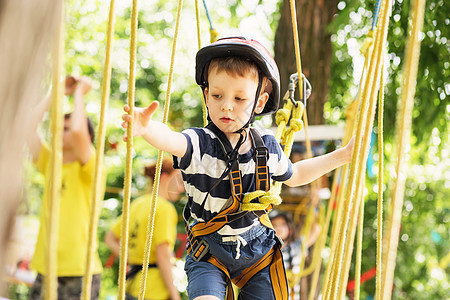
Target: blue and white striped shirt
x=204, y=163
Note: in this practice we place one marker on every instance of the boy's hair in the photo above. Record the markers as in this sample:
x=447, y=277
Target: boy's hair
x=274, y=214
x=90, y=126
x=166, y=167
x=241, y=66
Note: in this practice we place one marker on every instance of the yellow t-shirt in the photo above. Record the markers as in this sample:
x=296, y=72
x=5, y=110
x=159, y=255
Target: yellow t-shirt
x=165, y=230
x=75, y=205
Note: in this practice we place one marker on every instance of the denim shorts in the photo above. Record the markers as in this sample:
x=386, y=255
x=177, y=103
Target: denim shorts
x=206, y=279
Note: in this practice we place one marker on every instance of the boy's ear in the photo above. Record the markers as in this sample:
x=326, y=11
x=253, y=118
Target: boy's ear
x=262, y=100
x=205, y=93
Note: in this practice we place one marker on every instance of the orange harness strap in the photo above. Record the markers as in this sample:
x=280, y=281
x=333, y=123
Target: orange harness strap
x=277, y=273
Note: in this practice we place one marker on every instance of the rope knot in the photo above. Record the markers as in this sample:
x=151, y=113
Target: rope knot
x=367, y=43
x=265, y=199
x=283, y=114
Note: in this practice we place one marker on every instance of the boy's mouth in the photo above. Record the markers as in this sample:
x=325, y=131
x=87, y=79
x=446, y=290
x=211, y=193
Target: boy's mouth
x=226, y=120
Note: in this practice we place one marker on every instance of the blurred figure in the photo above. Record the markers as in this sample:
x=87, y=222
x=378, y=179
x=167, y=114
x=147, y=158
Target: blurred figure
x=76, y=197
x=159, y=276
x=286, y=230
x=292, y=250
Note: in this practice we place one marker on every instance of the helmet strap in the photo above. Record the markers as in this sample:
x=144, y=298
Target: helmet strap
x=252, y=116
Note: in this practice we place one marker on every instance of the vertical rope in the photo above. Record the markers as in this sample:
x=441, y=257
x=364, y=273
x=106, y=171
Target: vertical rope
x=99, y=174
x=54, y=178
x=199, y=45
x=338, y=284
x=296, y=46
x=197, y=18
x=380, y=190
x=335, y=199
x=359, y=247
x=403, y=132
x=129, y=155
x=151, y=219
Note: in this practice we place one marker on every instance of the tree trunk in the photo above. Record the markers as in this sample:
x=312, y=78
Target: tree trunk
x=313, y=18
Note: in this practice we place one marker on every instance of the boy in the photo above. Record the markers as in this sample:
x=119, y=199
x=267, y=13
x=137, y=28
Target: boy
x=239, y=79
x=76, y=187
x=159, y=276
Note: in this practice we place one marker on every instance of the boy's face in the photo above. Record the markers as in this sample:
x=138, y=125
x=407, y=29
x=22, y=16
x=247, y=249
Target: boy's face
x=230, y=99
x=67, y=137
x=281, y=227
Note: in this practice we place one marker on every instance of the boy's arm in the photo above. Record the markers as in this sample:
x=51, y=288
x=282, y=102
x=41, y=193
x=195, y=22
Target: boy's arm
x=163, y=260
x=79, y=124
x=308, y=170
x=113, y=242
x=157, y=134
x=34, y=141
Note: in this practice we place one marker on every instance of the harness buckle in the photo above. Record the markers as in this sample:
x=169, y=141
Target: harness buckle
x=261, y=156
x=200, y=250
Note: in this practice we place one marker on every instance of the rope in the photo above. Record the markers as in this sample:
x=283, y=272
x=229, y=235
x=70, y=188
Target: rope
x=287, y=135
x=296, y=45
x=335, y=199
x=376, y=12
x=212, y=32
x=337, y=287
x=380, y=190
x=351, y=117
x=151, y=219
x=129, y=155
x=403, y=131
x=359, y=245
x=100, y=145
x=54, y=180
x=199, y=44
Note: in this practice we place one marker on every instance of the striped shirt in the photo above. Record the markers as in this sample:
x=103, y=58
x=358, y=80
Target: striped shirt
x=204, y=163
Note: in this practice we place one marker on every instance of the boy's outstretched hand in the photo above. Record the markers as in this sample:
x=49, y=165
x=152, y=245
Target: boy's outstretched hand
x=142, y=117
x=349, y=149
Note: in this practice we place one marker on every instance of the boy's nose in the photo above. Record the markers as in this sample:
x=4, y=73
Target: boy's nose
x=226, y=106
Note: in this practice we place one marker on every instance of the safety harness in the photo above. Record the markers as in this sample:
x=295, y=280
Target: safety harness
x=199, y=248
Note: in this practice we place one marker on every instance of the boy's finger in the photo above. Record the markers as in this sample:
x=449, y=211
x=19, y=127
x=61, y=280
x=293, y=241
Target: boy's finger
x=125, y=124
x=151, y=108
x=126, y=108
x=126, y=117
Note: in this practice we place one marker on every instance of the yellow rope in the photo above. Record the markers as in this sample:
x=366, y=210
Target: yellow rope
x=317, y=250
x=199, y=44
x=287, y=135
x=129, y=155
x=359, y=246
x=351, y=112
x=358, y=166
x=335, y=199
x=99, y=173
x=151, y=219
x=296, y=46
x=54, y=179
x=380, y=190
x=380, y=197
x=403, y=131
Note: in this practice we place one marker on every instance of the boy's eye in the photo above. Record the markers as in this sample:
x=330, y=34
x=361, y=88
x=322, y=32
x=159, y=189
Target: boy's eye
x=239, y=98
x=217, y=96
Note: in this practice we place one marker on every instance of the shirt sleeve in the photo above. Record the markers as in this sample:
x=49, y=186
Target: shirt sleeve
x=165, y=223
x=87, y=170
x=43, y=159
x=116, y=228
x=279, y=164
x=184, y=162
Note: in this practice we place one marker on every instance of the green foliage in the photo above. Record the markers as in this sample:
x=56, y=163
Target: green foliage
x=424, y=233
